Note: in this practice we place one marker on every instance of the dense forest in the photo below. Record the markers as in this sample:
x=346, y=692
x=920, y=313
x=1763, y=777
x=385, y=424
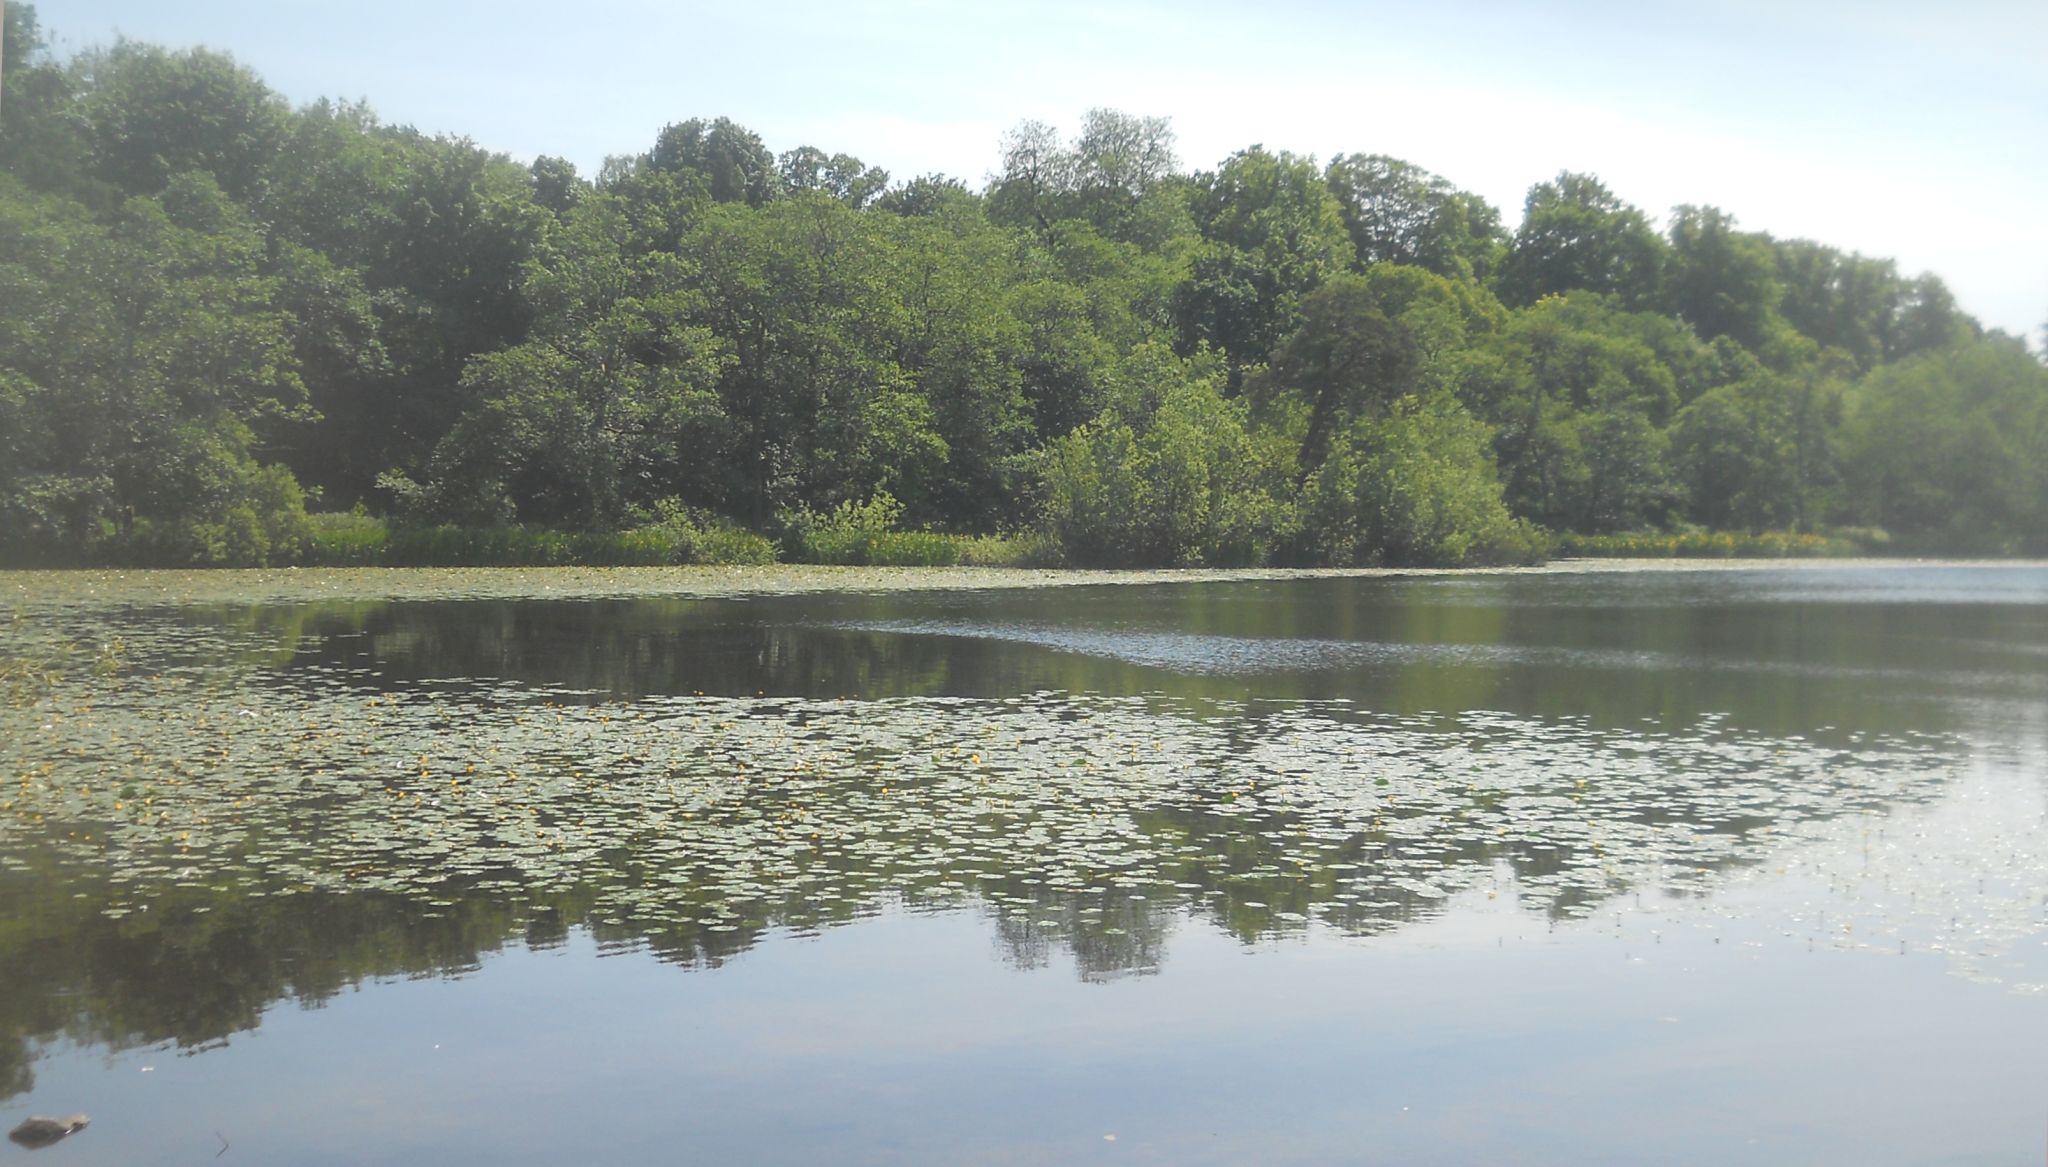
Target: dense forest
x=234, y=331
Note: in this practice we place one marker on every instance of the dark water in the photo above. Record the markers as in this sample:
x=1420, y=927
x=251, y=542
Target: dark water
x=1676, y=867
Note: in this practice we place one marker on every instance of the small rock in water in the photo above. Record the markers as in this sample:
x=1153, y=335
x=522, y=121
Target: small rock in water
x=37, y=1133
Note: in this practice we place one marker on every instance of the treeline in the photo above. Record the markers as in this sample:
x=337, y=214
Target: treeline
x=215, y=307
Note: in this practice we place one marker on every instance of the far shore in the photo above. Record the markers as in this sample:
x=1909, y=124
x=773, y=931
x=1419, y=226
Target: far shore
x=292, y=585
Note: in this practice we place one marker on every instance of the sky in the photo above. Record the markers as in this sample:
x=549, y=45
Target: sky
x=1909, y=130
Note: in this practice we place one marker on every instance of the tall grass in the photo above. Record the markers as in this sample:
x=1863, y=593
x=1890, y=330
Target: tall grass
x=354, y=540
x=1709, y=545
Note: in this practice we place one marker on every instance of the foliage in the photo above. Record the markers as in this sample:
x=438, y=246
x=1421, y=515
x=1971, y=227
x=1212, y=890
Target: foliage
x=1949, y=450
x=1025, y=549
x=1696, y=544
x=696, y=536
x=1399, y=213
x=866, y=532
x=1577, y=236
x=214, y=305
x=1170, y=474
x=1413, y=485
x=1272, y=233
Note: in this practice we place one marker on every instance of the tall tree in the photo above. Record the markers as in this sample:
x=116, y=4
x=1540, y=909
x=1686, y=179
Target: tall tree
x=1398, y=212
x=735, y=166
x=155, y=114
x=1839, y=300
x=1346, y=359
x=839, y=176
x=1272, y=233
x=139, y=362
x=1946, y=448
x=1719, y=280
x=1577, y=236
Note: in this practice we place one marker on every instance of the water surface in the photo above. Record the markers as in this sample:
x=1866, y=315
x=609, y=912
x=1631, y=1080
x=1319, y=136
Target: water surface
x=1574, y=866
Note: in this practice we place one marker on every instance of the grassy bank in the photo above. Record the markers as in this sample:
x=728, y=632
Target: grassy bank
x=1721, y=545
x=356, y=540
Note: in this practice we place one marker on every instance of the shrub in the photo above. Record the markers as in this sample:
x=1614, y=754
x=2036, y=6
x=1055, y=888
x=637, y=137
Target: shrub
x=692, y=536
x=345, y=539
x=863, y=533
x=1413, y=486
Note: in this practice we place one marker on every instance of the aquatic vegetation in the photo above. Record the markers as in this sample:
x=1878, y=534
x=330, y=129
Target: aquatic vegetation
x=294, y=796
x=679, y=813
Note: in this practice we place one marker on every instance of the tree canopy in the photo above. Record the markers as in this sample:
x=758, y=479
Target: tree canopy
x=218, y=310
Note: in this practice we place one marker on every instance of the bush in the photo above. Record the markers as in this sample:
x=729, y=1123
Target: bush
x=1414, y=486
x=693, y=536
x=346, y=539
x=259, y=521
x=672, y=535
x=864, y=533
x=1173, y=476
x=1024, y=549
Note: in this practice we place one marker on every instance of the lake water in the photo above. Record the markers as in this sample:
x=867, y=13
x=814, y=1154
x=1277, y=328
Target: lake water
x=1742, y=864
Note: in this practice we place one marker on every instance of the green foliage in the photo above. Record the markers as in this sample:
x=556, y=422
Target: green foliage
x=727, y=157
x=346, y=539
x=213, y=304
x=1117, y=177
x=1577, y=236
x=672, y=535
x=1758, y=454
x=1170, y=474
x=1272, y=234
x=1399, y=213
x=696, y=536
x=1346, y=359
x=864, y=533
x=1579, y=402
x=1024, y=549
x=1721, y=281
x=1715, y=545
x=155, y=115
x=1413, y=485
x=1949, y=450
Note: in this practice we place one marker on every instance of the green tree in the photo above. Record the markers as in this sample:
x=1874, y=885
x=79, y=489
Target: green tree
x=1412, y=484
x=556, y=185
x=154, y=114
x=806, y=294
x=1398, y=212
x=43, y=141
x=840, y=176
x=1171, y=473
x=1758, y=454
x=731, y=160
x=1720, y=281
x=1946, y=449
x=1118, y=176
x=1839, y=300
x=1578, y=401
x=1577, y=236
x=1346, y=359
x=611, y=405
x=139, y=362
x=1272, y=233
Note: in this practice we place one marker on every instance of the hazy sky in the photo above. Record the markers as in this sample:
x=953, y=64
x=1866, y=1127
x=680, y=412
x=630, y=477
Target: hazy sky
x=1913, y=130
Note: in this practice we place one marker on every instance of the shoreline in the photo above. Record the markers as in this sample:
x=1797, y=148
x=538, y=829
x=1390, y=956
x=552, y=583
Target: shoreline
x=177, y=587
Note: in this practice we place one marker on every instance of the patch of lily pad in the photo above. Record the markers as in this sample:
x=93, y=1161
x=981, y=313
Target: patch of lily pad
x=693, y=823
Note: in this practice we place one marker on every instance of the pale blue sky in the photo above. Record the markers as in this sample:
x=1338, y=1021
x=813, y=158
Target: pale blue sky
x=1912, y=130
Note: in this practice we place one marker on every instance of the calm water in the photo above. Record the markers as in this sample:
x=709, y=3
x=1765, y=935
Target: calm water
x=1574, y=867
